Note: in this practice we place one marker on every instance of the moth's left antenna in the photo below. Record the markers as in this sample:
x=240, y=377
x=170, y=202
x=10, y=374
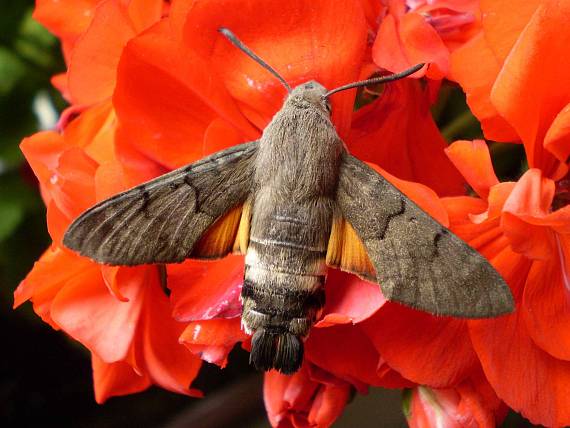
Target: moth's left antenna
x=238, y=43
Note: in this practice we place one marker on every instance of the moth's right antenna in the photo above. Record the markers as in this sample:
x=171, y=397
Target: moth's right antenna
x=238, y=43
x=376, y=80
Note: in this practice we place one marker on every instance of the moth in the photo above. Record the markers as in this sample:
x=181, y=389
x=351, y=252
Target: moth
x=294, y=202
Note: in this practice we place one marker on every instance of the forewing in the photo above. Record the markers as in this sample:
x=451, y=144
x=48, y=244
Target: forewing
x=162, y=220
x=418, y=262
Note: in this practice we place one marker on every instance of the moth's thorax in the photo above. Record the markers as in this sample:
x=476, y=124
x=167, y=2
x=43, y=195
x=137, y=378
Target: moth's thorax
x=300, y=149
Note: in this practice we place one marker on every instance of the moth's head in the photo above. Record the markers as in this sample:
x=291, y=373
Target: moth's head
x=309, y=94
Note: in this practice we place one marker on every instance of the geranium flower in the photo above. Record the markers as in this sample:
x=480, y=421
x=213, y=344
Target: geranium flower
x=512, y=73
x=416, y=31
x=93, y=34
x=120, y=314
x=524, y=232
x=67, y=20
x=309, y=398
x=399, y=122
x=472, y=404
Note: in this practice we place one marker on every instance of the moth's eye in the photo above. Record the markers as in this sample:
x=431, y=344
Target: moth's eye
x=328, y=106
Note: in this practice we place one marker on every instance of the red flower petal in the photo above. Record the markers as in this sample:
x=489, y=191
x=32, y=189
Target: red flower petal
x=42, y=151
x=65, y=18
x=397, y=132
x=473, y=160
x=407, y=41
x=301, y=401
x=345, y=351
x=109, y=180
x=144, y=13
x=96, y=54
x=57, y=222
x=154, y=352
x=90, y=314
x=282, y=392
x=529, y=201
x=459, y=209
x=218, y=136
x=532, y=87
x=477, y=64
x=545, y=303
x=475, y=67
x=388, y=51
x=428, y=350
x=205, y=289
x=433, y=407
x=473, y=403
x=528, y=379
x=165, y=100
x=324, y=41
x=71, y=189
x=328, y=405
x=349, y=299
x=66, y=166
x=168, y=363
x=212, y=340
x=113, y=276
x=50, y=274
x=498, y=195
x=557, y=138
x=502, y=27
x=114, y=379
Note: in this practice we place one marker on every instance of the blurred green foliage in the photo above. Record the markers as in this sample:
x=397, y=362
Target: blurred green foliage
x=29, y=55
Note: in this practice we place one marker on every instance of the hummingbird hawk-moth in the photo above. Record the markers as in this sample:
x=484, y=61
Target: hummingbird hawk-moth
x=294, y=202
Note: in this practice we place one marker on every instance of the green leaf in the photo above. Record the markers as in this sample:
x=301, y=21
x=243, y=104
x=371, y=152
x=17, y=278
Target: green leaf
x=406, y=402
x=33, y=30
x=11, y=215
x=34, y=43
x=11, y=17
x=11, y=70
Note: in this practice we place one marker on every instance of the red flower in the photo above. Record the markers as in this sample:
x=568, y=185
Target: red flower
x=67, y=19
x=309, y=398
x=133, y=340
x=524, y=355
x=93, y=34
x=117, y=313
x=417, y=31
x=400, y=122
x=472, y=404
x=512, y=73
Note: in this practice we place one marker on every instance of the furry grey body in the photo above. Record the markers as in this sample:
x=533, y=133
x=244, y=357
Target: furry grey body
x=298, y=179
x=292, y=211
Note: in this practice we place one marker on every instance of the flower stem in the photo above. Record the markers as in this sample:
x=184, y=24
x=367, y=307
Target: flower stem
x=459, y=125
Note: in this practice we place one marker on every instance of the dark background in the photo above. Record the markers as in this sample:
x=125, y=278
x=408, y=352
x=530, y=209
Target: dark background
x=45, y=377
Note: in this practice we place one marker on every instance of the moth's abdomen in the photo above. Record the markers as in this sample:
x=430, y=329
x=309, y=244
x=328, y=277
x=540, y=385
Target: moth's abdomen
x=283, y=291
x=280, y=297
